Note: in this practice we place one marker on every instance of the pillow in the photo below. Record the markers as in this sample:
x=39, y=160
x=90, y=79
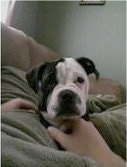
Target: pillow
x=19, y=50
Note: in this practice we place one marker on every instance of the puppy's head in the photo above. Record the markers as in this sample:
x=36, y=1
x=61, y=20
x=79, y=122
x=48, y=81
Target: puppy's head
x=62, y=87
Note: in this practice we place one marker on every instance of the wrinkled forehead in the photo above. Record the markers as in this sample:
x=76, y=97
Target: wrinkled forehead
x=68, y=69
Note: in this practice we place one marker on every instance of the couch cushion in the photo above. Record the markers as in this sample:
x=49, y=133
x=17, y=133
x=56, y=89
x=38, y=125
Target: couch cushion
x=14, y=48
x=19, y=50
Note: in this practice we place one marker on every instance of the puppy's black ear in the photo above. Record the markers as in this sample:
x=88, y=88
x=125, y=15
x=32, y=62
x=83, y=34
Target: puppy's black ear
x=34, y=75
x=88, y=65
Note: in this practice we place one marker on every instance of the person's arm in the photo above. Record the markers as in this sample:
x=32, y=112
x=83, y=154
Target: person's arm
x=85, y=140
x=18, y=103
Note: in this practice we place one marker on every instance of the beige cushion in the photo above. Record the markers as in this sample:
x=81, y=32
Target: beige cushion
x=40, y=53
x=106, y=86
x=21, y=51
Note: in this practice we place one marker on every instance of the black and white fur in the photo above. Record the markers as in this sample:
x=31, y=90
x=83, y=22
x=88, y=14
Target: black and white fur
x=62, y=87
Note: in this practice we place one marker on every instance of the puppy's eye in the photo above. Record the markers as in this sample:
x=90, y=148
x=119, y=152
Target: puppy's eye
x=80, y=80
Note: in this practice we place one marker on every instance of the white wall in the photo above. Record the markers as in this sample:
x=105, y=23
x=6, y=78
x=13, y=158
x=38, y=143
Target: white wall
x=26, y=17
x=97, y=32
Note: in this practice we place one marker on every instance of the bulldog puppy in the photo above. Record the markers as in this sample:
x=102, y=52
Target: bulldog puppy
x=62, y=87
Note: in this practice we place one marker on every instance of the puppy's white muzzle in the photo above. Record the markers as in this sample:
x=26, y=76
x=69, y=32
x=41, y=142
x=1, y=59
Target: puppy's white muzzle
x=53, y=103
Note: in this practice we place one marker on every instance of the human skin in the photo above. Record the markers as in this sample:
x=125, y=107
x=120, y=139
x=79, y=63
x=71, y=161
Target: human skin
x=85, y=140
x=18, y=103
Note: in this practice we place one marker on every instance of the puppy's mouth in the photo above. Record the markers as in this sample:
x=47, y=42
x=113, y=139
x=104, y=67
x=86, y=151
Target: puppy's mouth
x=58, y=118
x=66, y=110
x=68, y=104
x=58, y=121
x=61, y=114
x=68, y=114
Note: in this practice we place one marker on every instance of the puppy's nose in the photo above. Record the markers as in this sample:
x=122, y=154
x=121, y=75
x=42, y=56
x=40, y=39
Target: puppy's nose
x=67, y=96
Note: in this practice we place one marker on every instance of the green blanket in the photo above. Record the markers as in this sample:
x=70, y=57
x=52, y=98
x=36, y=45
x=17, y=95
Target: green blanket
x=25, y=141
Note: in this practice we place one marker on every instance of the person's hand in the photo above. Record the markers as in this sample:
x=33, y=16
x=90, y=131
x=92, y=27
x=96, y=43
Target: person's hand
x=18, y=103
x=85, y=140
